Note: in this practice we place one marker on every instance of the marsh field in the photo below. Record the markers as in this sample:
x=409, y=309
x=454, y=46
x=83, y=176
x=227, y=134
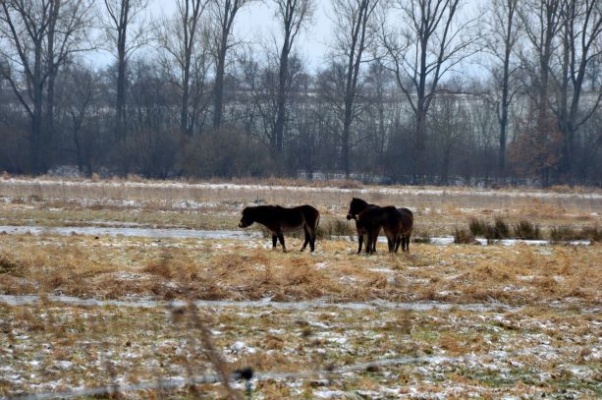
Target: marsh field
x=133, y=289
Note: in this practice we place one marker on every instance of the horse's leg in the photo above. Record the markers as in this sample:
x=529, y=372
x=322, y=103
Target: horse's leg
x=391, y=239
x=368, y=247
x=274, y=240
x=373, y=240
x=307, y=239
x=281, y=238
x=311, y=234
x=360, y=241
x=390, y=244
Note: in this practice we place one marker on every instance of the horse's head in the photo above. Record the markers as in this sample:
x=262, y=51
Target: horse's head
x=355, y=207
x=247, y=218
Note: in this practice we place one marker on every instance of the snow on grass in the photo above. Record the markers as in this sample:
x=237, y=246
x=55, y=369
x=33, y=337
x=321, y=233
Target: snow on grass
x=440, y=322
x=361, y=350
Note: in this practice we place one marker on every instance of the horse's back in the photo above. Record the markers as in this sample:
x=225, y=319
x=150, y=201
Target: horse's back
x=296, y=217
x=407, y=215
x=311, y=215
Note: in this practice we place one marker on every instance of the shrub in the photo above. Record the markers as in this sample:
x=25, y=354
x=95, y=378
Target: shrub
x=592, y=233
x=525, y=230
x=566, y=233
x=226, y=153
x=501, y=229
x=477, y=227
x=463, y=236
x=8, y=266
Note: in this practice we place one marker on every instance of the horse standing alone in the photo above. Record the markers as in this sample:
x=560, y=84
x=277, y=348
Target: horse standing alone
x=281, y=219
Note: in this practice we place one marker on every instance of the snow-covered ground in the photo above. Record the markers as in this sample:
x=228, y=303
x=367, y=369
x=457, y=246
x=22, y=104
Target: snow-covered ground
x=53, y=345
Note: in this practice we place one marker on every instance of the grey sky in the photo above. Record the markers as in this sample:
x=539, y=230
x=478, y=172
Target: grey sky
x=255, y=24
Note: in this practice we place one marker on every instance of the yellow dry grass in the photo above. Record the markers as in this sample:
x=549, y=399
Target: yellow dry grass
x=515, y=321
x=116, y=268
x=207, y=205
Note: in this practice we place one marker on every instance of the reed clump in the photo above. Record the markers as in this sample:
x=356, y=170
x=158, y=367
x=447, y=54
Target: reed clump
x=564, y=234
x=526, y=230
x=10, y=266
x=463, y=236
x=497, y=230
x=593, y=233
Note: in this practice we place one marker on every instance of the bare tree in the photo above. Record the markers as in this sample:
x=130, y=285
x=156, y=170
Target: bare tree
x=40, y=37
x=184, y=54
x=581, y=32
x=263, y=82
x=223, y=13
x=76, y=115
x=381, y=95
x=353, y=37
x=450, y=122
x=120, y=15
x=427, y=46
x=292, y=14
x=502, y=35
x=542, y=20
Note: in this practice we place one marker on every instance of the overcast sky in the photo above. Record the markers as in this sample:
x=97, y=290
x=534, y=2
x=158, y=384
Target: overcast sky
x=255, y=23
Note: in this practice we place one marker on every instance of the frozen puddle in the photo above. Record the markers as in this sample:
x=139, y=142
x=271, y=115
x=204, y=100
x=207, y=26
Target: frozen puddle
x=178, y=233
x=421, y=306
x=132, y=232
x=265, y=303
x=444, y=241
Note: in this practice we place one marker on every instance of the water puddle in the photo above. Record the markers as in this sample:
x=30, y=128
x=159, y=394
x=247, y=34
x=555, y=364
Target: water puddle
x=179, y=233
x=267, y=303
x=444, y=241
x=14, y=300
x=176, y=233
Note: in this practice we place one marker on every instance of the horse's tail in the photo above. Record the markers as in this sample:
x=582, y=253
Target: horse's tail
x=316, y=217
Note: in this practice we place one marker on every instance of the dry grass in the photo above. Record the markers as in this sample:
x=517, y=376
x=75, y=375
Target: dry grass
x=519, y=320
x=117, y=268
x=184, y=204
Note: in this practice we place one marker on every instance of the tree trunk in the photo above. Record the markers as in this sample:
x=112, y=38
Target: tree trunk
x=120, y=112
x=120, y=106
x=218, y=96
x=281, y=97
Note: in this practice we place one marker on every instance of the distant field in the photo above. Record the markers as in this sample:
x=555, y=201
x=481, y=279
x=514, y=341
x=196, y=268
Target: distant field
x=218, y=205
x=125, y=316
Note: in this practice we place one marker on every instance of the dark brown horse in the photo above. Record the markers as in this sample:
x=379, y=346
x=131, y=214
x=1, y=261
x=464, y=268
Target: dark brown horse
x=396, y=223
x=368, y=224
x=369, y=219
x=405, y=229
x=281, y=219
x=365, y=229
x=372, y=219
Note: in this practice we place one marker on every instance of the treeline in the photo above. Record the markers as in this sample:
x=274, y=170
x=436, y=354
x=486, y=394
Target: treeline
x=412, y=91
